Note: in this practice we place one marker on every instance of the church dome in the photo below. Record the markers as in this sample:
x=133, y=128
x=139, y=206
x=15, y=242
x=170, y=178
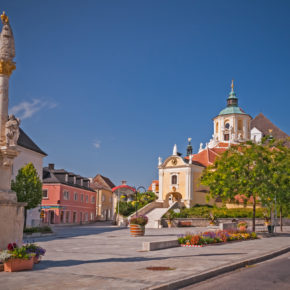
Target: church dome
x=231, y=110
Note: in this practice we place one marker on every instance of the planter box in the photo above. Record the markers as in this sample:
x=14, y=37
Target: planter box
x=15, y=265
x=137, y=230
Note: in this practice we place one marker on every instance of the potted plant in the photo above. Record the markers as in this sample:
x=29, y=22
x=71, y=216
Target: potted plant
x=137, y=225
x=212, y=219
x=170, y=217
x=242, y=226
x=17, y=259
x=37, y=250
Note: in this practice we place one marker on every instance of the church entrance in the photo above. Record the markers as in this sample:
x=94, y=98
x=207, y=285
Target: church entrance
x=172, y=197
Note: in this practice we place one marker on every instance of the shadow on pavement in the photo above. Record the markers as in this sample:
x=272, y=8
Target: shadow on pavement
x=45, y=264
x=71, y=232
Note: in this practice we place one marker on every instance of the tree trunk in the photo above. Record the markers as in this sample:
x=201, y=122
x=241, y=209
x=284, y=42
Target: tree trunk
x=254, y=214
x=281, y=220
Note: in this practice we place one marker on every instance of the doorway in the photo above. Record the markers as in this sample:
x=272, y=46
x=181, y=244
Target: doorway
x=51, y=217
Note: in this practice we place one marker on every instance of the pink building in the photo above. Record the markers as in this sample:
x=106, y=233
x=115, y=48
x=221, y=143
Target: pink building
x=66, y=197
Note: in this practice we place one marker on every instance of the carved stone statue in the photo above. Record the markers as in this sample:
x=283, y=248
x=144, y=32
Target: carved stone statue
x=240, y=136
x=12, y=131
x=159, y=161
x=233, y=136
x=7, y=48
x=200, y=147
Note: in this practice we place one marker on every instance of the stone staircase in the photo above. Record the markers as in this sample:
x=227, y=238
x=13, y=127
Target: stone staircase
x=154, y=217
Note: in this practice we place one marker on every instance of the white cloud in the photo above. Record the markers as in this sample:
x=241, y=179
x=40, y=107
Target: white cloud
x=27, y=109
x=97, y=144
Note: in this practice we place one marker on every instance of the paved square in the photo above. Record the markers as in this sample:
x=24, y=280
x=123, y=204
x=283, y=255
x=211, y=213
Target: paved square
x=101, y=256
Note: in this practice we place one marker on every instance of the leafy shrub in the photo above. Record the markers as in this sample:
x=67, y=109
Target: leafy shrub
x=126, y=208
x=199, y=211
x=43, y=230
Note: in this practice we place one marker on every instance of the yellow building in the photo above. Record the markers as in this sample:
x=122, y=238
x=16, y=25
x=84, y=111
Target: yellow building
x=104, y=199
x=179, y=176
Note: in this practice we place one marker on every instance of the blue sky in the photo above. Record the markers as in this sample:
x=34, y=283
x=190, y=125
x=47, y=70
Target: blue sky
x=108, y=86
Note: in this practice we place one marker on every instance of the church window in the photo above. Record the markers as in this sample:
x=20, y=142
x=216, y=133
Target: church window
x=240, y=124
x=216, y=127
x=174, y=179
x=227, y=125
x=226, y=137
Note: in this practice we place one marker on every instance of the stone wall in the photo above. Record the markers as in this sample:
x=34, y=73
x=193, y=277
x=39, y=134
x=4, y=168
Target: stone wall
x=204, y=222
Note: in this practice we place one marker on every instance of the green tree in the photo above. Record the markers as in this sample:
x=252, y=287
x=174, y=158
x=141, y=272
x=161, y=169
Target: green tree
x=243, y=170
x=279, y=179
x=28, y=187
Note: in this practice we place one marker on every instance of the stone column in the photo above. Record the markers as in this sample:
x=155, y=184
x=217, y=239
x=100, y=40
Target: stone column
x=188, y=186
x=11, y=212
x=160, y=194
x=4, y=84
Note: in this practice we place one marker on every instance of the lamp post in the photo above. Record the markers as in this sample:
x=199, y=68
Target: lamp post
x=118, y=198
x=136, y=193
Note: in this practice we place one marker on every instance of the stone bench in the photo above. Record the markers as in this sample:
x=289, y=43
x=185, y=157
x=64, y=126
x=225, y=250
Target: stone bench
x=228, y=226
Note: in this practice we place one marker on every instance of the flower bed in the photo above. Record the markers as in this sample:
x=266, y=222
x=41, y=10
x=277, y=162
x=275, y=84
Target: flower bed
x=214, y=237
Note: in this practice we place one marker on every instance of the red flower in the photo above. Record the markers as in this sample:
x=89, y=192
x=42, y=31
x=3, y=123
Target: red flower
x=11, y=246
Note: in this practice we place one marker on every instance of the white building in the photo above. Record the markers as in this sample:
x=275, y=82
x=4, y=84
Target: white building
x=29, y=152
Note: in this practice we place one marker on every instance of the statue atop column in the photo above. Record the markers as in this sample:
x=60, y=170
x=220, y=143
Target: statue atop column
x=11, y=211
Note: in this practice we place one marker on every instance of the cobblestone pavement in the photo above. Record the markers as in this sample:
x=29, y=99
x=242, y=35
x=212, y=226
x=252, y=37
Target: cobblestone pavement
x=101, y=256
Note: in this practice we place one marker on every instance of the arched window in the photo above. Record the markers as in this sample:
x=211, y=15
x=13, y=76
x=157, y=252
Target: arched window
x=217, y=127
x=240, y=124
x=174, y=179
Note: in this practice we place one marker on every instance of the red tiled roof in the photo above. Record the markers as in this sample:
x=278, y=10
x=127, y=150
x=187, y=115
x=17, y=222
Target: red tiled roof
x=153, y=181
x=208, y=156
x=240, y=198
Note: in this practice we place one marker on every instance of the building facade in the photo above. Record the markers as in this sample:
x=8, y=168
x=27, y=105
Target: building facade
x=104, y=197
x=67, y=197
x=29, y=152
x=179, y=176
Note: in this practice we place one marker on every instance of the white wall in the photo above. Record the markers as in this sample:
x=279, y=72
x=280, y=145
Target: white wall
x=256, y=135
x=24, y=157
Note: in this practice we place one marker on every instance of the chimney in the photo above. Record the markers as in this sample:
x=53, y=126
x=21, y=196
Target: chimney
x=51, y=166
x=124, y=182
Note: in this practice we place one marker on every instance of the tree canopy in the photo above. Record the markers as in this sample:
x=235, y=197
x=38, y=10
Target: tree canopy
x=254, y=171
x=28, y=186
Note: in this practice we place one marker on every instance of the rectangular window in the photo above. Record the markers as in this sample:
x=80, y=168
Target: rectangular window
x=75, y=196
x=103, y=198
x=93, y=199
x=240, y=124
x=86, y=217
x=87, y=198
x=92, y=216
x=82, y=198
x=65, y=195
x=44, y=193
